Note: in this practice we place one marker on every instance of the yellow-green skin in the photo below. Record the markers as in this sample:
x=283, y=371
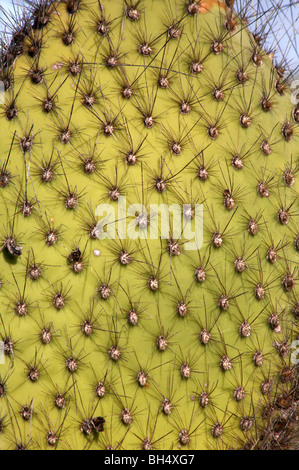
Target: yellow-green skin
x=177, y=272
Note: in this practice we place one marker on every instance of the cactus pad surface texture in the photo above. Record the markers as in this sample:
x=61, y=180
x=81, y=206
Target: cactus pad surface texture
x=133, y=342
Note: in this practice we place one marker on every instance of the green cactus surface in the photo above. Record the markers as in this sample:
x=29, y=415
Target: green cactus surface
x=113, y=338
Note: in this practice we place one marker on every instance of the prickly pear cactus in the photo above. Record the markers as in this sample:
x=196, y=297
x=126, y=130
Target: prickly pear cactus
x=116, y=335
